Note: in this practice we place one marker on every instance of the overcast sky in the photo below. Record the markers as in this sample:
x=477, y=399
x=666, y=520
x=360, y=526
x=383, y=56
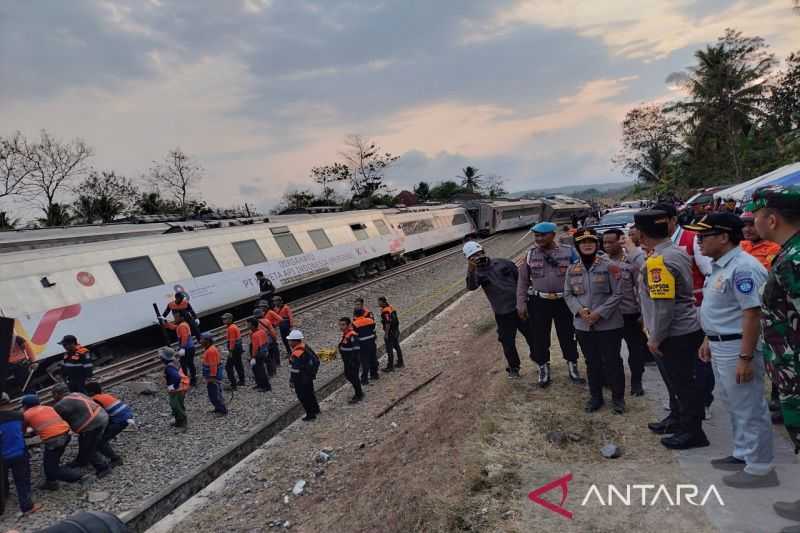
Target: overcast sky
x=261, y=90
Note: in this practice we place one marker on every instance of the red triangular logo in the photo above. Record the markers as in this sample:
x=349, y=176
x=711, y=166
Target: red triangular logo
x=562, y=482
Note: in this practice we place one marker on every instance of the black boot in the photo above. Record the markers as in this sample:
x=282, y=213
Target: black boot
x=636, y=388
x=574, y=374
x=593, y=404
x=544, y=375
x=667, y=425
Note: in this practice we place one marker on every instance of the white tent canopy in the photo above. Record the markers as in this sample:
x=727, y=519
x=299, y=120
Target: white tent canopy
x=739, y=192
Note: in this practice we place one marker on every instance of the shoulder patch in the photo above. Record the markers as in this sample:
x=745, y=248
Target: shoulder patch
x=745, y=283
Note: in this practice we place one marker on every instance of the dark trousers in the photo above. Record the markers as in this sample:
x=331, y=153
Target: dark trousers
x=75, y=379
x=234, y=364
x=214, y=390
x=636, y=341
x=20, y=373
x=547, y=312
x=392, y=343
x=284, y=329
x=507, y=326
x=267, y=296
x=305, y=393
x=112, y=430
x=273, y=358
x=369, y=360
x=51, y=460
x=680, y=353
x=187, y=365
x=20, y=468
x=351, y=365
x=260, y=373
x=704, y=373
x=603, y=362
x=88, y=442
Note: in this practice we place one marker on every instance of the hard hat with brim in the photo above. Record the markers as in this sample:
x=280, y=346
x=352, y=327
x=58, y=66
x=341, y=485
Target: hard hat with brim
x=166, y=354
x=471, y=248
x=295, y=335
x=544, y=227
x=716, y=222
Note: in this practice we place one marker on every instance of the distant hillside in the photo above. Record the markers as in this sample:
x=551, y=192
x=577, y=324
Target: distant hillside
x=575, y=189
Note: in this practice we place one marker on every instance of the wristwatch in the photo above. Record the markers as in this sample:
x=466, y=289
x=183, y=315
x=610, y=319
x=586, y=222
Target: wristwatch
x=746, y=357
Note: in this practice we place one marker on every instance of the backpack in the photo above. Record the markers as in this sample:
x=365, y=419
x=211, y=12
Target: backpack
x=314, y=362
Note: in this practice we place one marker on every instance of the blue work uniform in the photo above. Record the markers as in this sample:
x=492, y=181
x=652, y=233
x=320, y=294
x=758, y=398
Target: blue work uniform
x=734, y=285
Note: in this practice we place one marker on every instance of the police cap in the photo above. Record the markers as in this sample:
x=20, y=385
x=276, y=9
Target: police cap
x=544, y=227
x=584, y=234
x=716, y=223
x=651, y=220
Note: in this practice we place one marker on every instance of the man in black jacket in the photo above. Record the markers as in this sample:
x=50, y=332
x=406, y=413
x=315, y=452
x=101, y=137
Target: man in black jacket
x=266, y=288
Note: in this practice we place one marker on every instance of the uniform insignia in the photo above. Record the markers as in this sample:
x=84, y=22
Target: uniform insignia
x=660, y=281
x=615, y=271
x=745, y=285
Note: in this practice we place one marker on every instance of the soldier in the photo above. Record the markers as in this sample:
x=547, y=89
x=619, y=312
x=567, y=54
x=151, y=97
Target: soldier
x=731, y=315
x=672, y=327
x=593, y=292
x=776, y=211
x=540, y=296
x=629, y=307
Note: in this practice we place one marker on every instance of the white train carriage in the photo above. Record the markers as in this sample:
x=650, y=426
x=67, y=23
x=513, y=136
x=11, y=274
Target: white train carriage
x=425, y=227
x=102, y=290
x=560, y=208
x=504, y=215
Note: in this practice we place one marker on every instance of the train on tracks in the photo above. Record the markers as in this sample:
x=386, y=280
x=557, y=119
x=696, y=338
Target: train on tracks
x=100, y=282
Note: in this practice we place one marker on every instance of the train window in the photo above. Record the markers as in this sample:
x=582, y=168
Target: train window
x=136, y=273
x=320, y=238
x=200, y=261
x=383, y=229
x=521, y=212
x=459, y=219
x=417, y=226
x=249, y=252
x=360, y=231
x=286, y=241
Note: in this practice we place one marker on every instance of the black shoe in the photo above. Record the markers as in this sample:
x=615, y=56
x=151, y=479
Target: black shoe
x=193, y=382
x=685, y=441
x=48, y=485
x=730, y=464
x=544, y=375
x=513, y=372
x=116, y=461
x=574, y=374
x=240, y=384
x=667, y=425
x=376, y=376
x=356, y=399
x=103, y=473
x=618, y=406
x=399, y=364
x=387, y=369
x=636, y=389
x=364, y=381
x=593, y=405
x=309, y=418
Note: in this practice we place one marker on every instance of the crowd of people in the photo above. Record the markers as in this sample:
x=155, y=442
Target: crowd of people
x=712, y=301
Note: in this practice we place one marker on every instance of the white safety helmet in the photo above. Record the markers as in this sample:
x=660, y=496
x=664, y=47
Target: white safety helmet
x=295, y=335
x=471, y=248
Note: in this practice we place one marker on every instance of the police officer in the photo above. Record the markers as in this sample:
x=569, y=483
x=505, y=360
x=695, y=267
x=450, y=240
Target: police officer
x=731, y=318
x=77, y=366
x=776, y=211
x=498, y=278
x=672, y=328
x=540, y=296
x=593, y=293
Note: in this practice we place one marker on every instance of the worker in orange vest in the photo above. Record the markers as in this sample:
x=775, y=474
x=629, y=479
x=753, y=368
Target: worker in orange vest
x=350, y=349
x=22, y=362
x=258, y=355
x=185, y=345
x=287, y=322
x=86, y=418
x=213, y=373
x=120, y=416
x=76, y=367
x=177, y=386
x=303, y=371
x=364, y=324
x=275, y=319
x=45, y=422
x=233, y=337
x=273, y=355
x=762, y=249
x=181, y=304
x=391, y=334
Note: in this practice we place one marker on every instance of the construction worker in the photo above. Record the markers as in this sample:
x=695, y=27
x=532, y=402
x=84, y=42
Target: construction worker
x=275, y=320
x=77, y=365
x=540, y=298
x=15, y=455
x=273, y=356
x=632, y=332
x=763, y=250
x=287, y=322
x=672, y=327
x=120, y=416
x=304, y=365
x=593, y=293
x=498, y=278
x=182, y=305
x=265, y=287
x=233, y=363
x=53, y=431
x=364, y=324
x=185, y=345
x=350, y=349
x=391, y=334
x=258, y=355
x=777, y=218
x=22, y=362
x=177, y=385
x=213, y=373
x=731, y=318
x=88, y=420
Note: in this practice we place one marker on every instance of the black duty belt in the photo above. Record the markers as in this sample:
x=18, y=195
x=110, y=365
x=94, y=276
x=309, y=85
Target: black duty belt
x=723, y=338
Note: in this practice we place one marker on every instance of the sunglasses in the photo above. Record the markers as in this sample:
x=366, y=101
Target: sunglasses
x=701, y=236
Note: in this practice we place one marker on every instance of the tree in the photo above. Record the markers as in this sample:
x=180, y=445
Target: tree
x=406, y=198
x=445, y=190
x=470, y=179
x=52, y=166
x=368, y=165
x=151, y=203
x=422, y=191
x=783, y=109
x=177, y=176
x=326, y=175
x=494, y=186
x=6, y=222
x=296, y=199
x=650, y=138
x=56, y=215
x=14, y=174
x=104, y=196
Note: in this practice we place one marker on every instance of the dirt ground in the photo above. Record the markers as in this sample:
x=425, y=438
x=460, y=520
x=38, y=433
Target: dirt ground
x=460, y=454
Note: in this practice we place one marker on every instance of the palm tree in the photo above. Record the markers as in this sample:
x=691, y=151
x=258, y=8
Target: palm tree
x=470, y=179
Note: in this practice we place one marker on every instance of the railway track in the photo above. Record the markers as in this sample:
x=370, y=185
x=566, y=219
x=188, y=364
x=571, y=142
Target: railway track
x=142, y=364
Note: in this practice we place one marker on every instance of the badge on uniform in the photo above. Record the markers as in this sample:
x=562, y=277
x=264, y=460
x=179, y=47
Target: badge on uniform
x=745, y=285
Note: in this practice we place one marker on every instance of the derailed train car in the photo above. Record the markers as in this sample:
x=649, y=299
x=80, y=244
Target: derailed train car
x=105, y=288
x=501, y=215
x=560, y=208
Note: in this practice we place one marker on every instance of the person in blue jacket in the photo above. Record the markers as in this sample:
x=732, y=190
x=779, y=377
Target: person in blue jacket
x=15, y=455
